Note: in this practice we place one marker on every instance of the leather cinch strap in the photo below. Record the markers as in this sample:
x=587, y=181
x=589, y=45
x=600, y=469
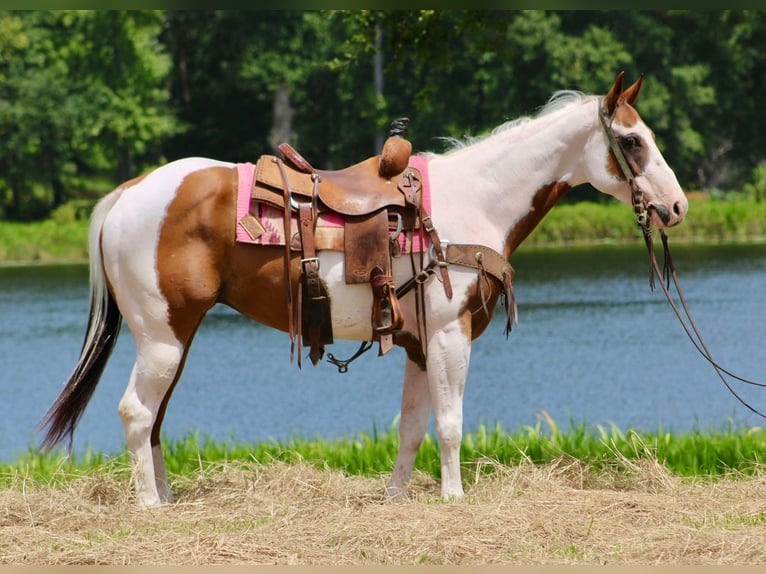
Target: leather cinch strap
x=484, y=259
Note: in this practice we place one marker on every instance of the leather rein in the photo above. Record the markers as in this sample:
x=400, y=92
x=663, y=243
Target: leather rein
x=668, y=271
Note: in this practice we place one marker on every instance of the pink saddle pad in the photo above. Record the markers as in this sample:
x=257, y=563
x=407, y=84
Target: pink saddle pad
x=272, y=219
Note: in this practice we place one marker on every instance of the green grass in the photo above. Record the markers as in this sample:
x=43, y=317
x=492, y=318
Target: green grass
x=713, y=221
x=65, y=236
x=712, y=453
x=43, y=242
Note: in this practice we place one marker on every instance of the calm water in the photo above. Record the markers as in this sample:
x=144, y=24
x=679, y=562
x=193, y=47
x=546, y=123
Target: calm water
x=593, y=344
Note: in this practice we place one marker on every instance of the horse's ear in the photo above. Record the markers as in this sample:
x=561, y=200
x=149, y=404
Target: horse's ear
x=631, y=94
x=610, y=100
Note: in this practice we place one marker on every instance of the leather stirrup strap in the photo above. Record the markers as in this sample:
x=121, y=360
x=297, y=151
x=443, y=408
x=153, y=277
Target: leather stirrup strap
x=288, y=283
x=387, y=315
x=307, y=218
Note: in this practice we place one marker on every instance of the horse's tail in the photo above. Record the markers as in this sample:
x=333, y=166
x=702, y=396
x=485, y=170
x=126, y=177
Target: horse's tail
x=104, y=321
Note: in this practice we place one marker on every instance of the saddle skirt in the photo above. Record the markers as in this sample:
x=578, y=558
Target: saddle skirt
x=260, y=223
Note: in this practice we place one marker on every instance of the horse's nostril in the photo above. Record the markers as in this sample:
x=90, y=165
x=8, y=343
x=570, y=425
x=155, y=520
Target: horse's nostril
x=677, y=208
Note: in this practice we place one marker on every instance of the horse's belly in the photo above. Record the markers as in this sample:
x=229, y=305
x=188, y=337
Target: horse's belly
x=257, y=289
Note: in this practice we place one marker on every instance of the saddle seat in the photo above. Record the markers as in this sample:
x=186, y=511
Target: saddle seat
x=355, y=190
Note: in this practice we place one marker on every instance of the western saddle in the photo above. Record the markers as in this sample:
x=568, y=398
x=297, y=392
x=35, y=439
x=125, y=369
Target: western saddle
x=378, y=199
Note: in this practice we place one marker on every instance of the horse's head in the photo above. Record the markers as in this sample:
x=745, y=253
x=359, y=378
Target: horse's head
x=629, y=165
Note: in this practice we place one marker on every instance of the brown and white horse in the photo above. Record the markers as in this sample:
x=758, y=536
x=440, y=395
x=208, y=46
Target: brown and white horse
x=163, y=252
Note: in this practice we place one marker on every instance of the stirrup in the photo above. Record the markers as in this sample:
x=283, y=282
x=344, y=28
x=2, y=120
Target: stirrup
x=387, y=315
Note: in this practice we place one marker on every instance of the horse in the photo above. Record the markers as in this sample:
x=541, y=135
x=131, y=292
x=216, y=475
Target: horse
x=163, y=252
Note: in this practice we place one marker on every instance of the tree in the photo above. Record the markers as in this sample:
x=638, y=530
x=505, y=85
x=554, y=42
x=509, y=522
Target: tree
x=82, y=93
x=85, y=93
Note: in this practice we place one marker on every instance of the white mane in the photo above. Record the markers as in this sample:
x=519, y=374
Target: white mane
x=557, y=101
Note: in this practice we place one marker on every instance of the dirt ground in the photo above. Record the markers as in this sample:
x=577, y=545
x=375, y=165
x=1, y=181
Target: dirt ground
x=562, y=513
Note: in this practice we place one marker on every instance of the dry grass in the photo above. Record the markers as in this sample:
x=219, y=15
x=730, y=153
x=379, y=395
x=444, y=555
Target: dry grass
x=562, y=513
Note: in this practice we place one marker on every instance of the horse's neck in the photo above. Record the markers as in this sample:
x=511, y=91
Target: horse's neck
x=481, y=193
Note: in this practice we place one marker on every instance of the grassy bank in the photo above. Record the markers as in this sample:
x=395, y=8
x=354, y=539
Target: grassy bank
x=43, y=242
x=708, y=221
x=709, y=453
x=65, y=238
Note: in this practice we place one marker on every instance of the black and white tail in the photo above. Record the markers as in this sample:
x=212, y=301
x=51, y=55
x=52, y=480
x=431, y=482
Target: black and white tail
x=104, y=323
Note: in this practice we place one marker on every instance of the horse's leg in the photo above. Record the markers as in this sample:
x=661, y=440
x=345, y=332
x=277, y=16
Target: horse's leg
x=416, y=409
x=160, y=472
x=157, y=363
x=449, y=351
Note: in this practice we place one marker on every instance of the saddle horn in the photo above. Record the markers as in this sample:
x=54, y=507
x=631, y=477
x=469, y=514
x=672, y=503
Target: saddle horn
x=396, y=152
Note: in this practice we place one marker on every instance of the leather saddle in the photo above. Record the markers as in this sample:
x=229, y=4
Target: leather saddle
x=355, y=190
x=372, y=202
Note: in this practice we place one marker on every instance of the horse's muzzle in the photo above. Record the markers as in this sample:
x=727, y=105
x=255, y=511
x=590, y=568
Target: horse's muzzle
x=668, y=217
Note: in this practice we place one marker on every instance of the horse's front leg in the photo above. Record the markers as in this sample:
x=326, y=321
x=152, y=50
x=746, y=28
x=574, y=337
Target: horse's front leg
x=449, y=351
x=416, y=409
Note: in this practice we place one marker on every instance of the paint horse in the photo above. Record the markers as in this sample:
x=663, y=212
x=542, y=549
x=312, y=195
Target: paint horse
x=163, y=252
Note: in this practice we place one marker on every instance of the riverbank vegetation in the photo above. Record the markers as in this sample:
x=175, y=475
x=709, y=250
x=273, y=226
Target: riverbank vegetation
x=702, y=453
x=736, y=218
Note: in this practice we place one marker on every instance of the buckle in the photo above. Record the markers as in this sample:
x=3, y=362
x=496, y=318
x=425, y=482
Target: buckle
x=309, y=260
x=432, y=252
x=423, y=276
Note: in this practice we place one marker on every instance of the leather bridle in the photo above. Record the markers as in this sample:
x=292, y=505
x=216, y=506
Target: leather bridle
x=637, y=196
x=668, y=271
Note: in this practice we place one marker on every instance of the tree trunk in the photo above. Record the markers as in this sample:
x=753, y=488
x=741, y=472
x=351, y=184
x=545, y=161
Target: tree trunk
x=378, y=79
x=59, y=192
x=281, y=130
x=124, y=164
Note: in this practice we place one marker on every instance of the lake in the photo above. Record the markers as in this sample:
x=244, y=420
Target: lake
x=593, y=345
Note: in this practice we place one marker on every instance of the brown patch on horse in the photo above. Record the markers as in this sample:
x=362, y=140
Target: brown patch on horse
x=199, y=263
x=196, y=237
x=411, y=345
x=134, y=181
x=198, y=241
x=545, y=198
x=255, y=283
x=477, y=310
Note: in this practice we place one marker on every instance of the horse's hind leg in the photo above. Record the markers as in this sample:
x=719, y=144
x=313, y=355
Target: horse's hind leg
x=160, y=473
x=157, y=365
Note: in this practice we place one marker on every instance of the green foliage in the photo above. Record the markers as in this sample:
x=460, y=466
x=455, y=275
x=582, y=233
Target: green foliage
x=64, y=237
x=82, y=91
x=107, y=92
x=47, y=241
x=730, y=218
x=756, y=188
x=714, y=453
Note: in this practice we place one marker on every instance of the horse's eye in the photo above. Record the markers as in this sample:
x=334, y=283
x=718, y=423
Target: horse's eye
x=630, y=142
